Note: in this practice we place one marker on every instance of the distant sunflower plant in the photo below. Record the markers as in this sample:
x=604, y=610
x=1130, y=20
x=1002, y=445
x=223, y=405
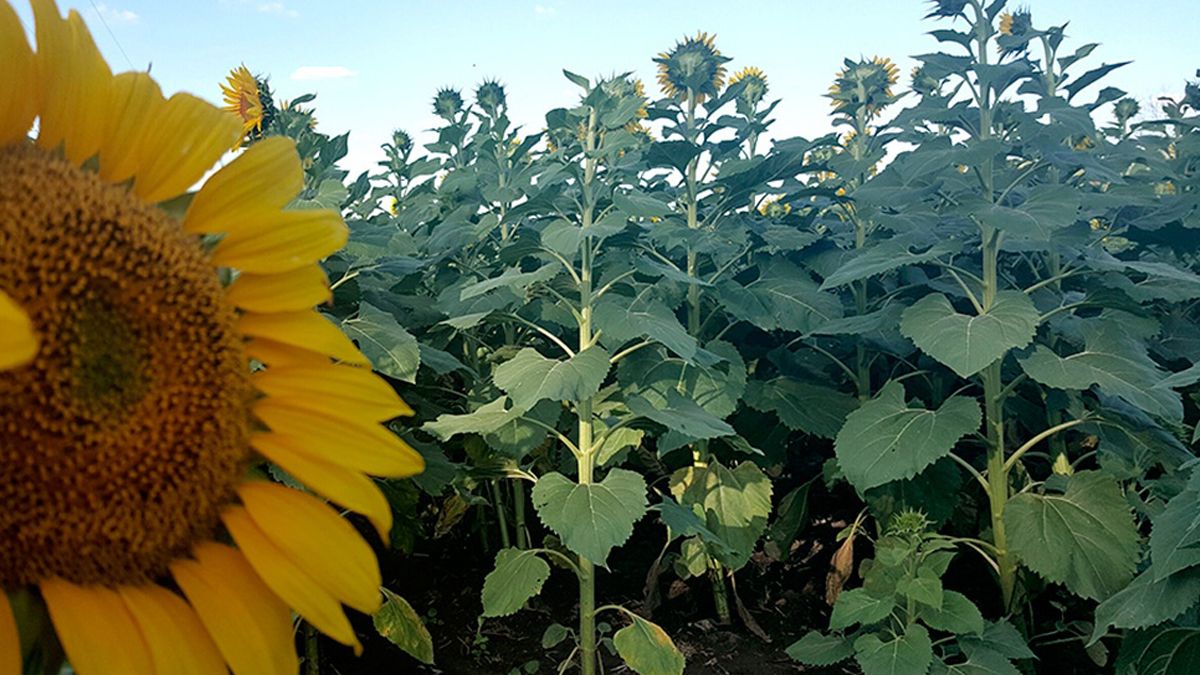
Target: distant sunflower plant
x=132, y=415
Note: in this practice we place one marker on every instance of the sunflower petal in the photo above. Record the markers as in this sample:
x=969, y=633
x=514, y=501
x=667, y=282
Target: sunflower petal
x=186, y=140
x=291, y=291
x=178, y=642
x=136, y=103
x=369, y=448
x=344, y=391
x=283, y=241
x=261, y=180
x=304, y=329
x=10, y=639
x=287, y=580
x=318, y=540
x=275, y=353
x=76, y=84
x=18, y=342
x=18, y=87
x=96, y=629
x=251, y=626
x=344, y=486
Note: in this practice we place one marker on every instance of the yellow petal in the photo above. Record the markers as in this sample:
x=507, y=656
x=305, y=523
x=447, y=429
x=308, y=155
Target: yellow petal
x=137, y=103
x=186, y=140
x=275, y=353
x=344, y=486
x=76, y=84
x=18, y=87
x=366, y=447
x=263, y=179
x=178, y=642
x=251, y=625
x=283, y=241
x=305, y=329
x=344, y=391
x=318, y=540
x=301, y=288
x=10, y=639
x=287, y=580
x=97, y=631
x=18, y=343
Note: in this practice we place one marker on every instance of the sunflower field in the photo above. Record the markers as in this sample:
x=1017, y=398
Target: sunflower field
x=645, y=390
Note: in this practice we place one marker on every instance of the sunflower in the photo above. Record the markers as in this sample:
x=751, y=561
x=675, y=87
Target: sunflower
x=693, y=64
x=447, y=103
x=243, y=98
x=130, y=417
x=864, y=84
x=490, y=96
x=774, y=207
x=754, y=86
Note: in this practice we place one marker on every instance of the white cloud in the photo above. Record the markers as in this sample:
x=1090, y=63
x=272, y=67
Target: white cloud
x=544, y=10
x=322, y=73
x=278, y=8
x=114, y=15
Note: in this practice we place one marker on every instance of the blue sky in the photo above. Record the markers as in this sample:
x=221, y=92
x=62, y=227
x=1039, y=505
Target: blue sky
x=376, y=64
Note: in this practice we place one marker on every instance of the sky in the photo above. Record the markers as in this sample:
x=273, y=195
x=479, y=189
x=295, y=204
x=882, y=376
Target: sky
x=375, y=65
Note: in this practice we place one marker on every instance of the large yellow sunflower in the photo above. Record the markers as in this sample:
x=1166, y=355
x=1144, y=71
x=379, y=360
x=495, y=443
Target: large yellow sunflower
x=129, y=414
x=243, y=98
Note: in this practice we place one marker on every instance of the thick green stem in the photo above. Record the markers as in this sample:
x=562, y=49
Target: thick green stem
x=518, y=490
x=997, y=477
x=501, y=513
x=716, y=576
x=312, y=651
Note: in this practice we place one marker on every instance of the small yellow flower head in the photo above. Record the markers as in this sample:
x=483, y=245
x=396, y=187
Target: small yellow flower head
x=392, y=205
x=1062, y=466
x=694, y=63
x=623, y=87
x=447, y=103
x=1165, y=188
x=1084, y=143
x=774, y=208
x=1096, y=224
x=1015, y=31
x=243, y=98
x=755, y=86
x=490, y=96
x=864, y=83
x=1006, y=24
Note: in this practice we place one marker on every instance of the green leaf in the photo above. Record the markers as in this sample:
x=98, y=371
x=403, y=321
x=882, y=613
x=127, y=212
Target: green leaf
x=399, y=623
x=620, y=323
x=512, y=278
x=1175, y=539
x=784, y=297
x=555, y=633
x=957, y=615
x=924, y=590
x=647, y=649
x=1166, y=651
x=980, y=662
x=1084, y=538
x=888, y=255
x=887, y=439
x=562, y=237
x=968, y=344
x=641, y=205
x=591, y=519
x=816, y=649
x=392, y=350
x=716, y=388
x=517, y=577
x=1048, y=208
x=485, y=419
x=1112, y=361
x=859, y=606
x=735, y=504
x=907, y=654
x=682, y=415
x=802, y=406
x=530, y=377
x=1148, y=601
x=1000, y=637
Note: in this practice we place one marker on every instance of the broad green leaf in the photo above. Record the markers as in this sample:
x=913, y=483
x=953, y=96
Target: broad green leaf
x=517, y=577
x=530, y=377
x=888, y=255
x=392, y=350
x=647, y=649
x=816, y=649
x=1047, y=209
x=784, y=297
x=1085, y=538
x=1163, y=651
x=562, y=237
x=683, y=522
x=1147, y=601
x=887, y=439
x=980, y=662
x=519, y=436
x=397, y=621
x=617, y=441
x=735, y=504
x=800, y=405
x=640, y=205
x=907, y=654
x=1000, y=637
x=858, y=606
x=969, y=343
x=957, y=615
x=555, y=633
x=591, y=519
x=716, y=388
x=512, y=279
x=1175, y=539
x=1112, y=361
x=485, y=419
x=927, y=591
x=621, y=322
x=683, y=415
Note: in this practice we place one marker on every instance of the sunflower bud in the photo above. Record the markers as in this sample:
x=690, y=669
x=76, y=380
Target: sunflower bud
x=754, y=88
x=447, y=103
x=1062, y=466
x=1125, y=109
x=490, y=96
x=401, y=141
